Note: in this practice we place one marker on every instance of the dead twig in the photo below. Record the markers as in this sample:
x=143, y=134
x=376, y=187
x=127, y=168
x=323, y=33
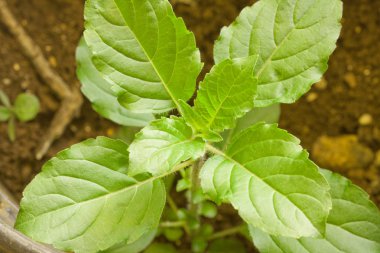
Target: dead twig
x=71, y=97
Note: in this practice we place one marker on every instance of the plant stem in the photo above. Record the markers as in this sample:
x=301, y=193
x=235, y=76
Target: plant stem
x=175, y=209
x=225, y=233
x=172, y=224
x=214, y=150
x=172, y=204
x=195, y=182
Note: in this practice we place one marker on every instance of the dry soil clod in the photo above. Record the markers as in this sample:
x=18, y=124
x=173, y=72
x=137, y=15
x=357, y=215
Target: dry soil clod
x=342, y=153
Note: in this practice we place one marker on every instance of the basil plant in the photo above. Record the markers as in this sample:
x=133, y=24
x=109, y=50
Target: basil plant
x=139, y=65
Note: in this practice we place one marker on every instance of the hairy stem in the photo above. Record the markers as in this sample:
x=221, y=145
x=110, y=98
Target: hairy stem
x=195, y=184
x=214, y=150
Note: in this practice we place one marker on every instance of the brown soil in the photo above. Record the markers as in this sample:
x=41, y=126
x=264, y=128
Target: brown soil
x=56, y=27
x=347, y=102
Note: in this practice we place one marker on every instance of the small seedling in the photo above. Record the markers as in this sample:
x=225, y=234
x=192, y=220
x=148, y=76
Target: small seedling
x=24, y=109
x=138, y=64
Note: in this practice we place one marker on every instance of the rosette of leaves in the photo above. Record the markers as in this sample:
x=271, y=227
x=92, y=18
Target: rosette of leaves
x=138, y=61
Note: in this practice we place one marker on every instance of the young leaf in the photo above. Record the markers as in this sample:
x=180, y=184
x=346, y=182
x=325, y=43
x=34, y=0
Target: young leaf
x=99, y=92
x=353, y=225
x=4, y=99
x=12, y=129
x=5, y=114
x=162, y=145
x=173, y=234
x=268, y=178
x=82, y=202
x=270, y=114
x=293, y=40
x=142, y=48
x=26, y=107
x=192, y=118
x=226, y=94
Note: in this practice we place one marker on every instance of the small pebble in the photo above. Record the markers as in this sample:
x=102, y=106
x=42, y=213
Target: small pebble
x=367, y=72
x=63, y=27
x=343, y=153
x=25, y=84
x=16, y=67
x=311, y=97
x=321, y=85
x=26, y=172
x=87, y=129
x=366, y=119
x=53, y=61
x=110, y=132
x=73, y=128
x=7, y=81
x=358, y=29
x=48, y=48
x=350, y=79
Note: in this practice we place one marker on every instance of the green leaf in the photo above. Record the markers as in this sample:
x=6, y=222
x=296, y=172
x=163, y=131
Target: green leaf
x=293, y=40
x=226, y=246
x=12, y=129
x=161, y=248
x=208, y=210
x=135, y=247
x=199, y=244
x=83, y=202
x=173, y=234
x=183, y=184
x=270, y=114
x=5, y=114
x=226, y=94
x=99, y=92
x=162, y=145
x=144, y=50
x=192, y=119
x=4, y=99
x=353, y=225
x=268, y=178
x=26, y=107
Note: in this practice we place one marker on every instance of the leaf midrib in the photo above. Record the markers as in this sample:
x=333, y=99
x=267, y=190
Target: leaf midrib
x=138, y=184
x=269, y=59
x=221, y=153
x=219, y=108
x=164, y=84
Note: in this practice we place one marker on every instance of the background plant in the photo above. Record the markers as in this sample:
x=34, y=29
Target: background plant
x=24, y=109
x=137, y=61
